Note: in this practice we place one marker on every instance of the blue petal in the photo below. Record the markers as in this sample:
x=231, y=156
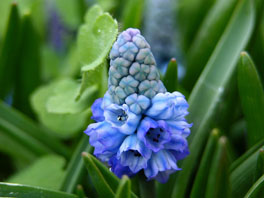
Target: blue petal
x=153, y=133
x=177, y=143
x=168, y=106
x=121, y=118
x=118, y=169
x=161, y=162
x=98, y=112
x=179, y=155
x=105, y=139
x=133, y=153
x=179, y=127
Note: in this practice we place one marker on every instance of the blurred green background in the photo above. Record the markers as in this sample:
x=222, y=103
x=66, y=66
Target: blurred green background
x=53, y=65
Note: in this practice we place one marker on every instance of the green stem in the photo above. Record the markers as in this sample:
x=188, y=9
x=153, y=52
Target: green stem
x=146, y=188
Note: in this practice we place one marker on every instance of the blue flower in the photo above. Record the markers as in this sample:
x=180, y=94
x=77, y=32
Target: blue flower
x=134, y=154
x=122, y=118
x=161, y=165
x=105, y=139
x=153, y=133
x=140, y=126
x=168, y=106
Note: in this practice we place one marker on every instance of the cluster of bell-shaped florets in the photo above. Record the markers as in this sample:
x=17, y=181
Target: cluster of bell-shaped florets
x=140, y=126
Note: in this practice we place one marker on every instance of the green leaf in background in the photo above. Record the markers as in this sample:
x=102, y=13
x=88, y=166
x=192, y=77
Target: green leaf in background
x=207, y=92
x=27, y=128
x=252, y=98
x=102, y=187
x=218, y=179
x=64, y=125
x=124, y=188
x=27, y=72
x=68, y=11
x=243, y=171
x=206, y=39
x=76, y=169
x=63, y=99
x=201, y=178
x=132, y=14
x=80, y=191
x=256, y=191
x=5, y=12
x=46, y=172
x=25, y=191
x=110, y=177
x=170, y=78
x=95, y=39
x=260, y=165
x=9, y=51
x=194, y=11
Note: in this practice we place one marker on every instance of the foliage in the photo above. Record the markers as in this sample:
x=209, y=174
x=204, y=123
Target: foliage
x=54, y=64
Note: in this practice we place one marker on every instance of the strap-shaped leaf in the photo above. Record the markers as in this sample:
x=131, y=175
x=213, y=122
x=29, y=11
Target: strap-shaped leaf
x=124, y=188
x=257, y=189
x=202, y=176
x=25, y=191
x=218, y=185
x=132, y=14
x=243, y=171
x=252, y=98
x=76, y=169
x=206, y=39
x=109, y=177
x=9, y=52
x=211, y=85
x=170, y=78
x=102, y=187
x=27, y=75
x=23, y=130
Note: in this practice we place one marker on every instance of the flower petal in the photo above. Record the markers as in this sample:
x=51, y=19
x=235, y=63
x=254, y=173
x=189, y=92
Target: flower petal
x=105, y=139
x=161, y=162
x=133, y=153
x=121, y=118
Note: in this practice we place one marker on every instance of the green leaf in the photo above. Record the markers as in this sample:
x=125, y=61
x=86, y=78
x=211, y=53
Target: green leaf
x=68, y=12
x=46, y=172
x=63, y=99
x=64, y=125
x=24, y=127
x=252, y=98
x=260, y=165
x=257, y=189
x=25, y=191
x=109, y=177
x=27, y=74
x=170, y=78
x=9, y=51
x=23, y=137
x=76, y=169
x=95, y=39
x=208, y=90
x=218, y=179
x=80, y=191
x=132, y=14
x=102, y=187
x=206, y=39
x=194, y=11
x=243, y=171
x=4, y=10
x=124, y=188
x=201, y=178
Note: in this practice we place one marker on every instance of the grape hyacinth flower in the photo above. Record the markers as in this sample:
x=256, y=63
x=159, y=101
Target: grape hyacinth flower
x=140, y=126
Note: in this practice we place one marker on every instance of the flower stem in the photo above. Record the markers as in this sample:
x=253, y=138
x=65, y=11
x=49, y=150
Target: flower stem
x=147, y=188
